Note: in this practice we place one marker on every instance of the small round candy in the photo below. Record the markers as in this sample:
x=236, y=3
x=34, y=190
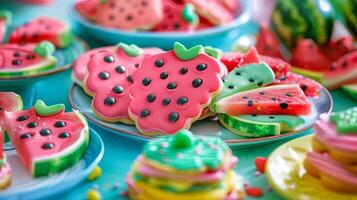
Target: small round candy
x=94, y=174
x=93, y=195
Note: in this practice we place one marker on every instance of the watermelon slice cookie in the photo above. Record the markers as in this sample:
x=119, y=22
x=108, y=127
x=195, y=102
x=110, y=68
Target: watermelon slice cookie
x=47, y=139
x=178, y=17
x=272, y=100
x=28, y=59
x=5, y=18
x=44, y=28
x=87, y=8
x=130, y=15
x=171, y=89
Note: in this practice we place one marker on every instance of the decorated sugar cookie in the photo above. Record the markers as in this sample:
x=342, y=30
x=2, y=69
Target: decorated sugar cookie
x=87, y=8
x=171, y=89
x=184, y=166
x=109, y=77
x=28, y=59
x=5, y=18
x=47, y=139
x=43, y=28
x=130, y=15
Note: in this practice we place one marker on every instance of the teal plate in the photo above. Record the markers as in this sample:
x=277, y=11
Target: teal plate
x=24, y=186
x=81, y=101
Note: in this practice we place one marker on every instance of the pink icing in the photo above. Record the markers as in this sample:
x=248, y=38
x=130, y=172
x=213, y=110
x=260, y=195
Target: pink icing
x=4, y=170
x=130, y=15
x=232, y=5
x=213, y=10
x=326, y=133
x=332, y=168
x=198, y=98
x=30, y=148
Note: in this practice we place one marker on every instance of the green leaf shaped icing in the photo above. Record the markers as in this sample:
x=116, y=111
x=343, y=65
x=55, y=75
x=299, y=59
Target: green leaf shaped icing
x=43, y=110
x=189, y=15
x=183, y=53
x=187, y=152
x=213, y=52
x=45, y=49
x=345, y=121
x=130, y=50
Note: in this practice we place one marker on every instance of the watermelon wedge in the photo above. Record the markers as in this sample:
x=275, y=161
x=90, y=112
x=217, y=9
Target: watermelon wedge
x=10, y=102
x=272, y=100
x=5, y=18
x=234, y=59
x=28, y=59
x=47, y=139
x=351, y=89
x=44, y=28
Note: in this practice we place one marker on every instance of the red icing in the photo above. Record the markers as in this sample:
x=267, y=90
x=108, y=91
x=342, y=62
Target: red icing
x=198, y=98
x=260, y=164
x=254, y=191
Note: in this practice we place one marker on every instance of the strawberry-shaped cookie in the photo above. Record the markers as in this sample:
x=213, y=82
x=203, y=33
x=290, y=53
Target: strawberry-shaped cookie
x=171, y=89
x=5, y=17
x=108, y=80
x=178, y=17
x=212, y=10
x=130, y=15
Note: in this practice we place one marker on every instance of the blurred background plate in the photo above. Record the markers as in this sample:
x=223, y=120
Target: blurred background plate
x=24, y=186
x=81, y=101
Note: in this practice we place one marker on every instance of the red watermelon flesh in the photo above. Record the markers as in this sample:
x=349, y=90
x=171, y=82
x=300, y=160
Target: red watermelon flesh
x=87, y=8
x=272, y=100
x=336, y=48
x=47, y=139
x=267, y=43
x=204, y=24
x=26, y=59
x=43, y=28
x=307, y=55
x=234, y=59
x=279, y=66
x=310, y=87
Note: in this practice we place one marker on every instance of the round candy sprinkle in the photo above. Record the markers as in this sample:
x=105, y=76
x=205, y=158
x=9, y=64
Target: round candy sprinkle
x=260, y=164
x=93, y=195
x=95, y=173
x=253, y=191
x=182, y=139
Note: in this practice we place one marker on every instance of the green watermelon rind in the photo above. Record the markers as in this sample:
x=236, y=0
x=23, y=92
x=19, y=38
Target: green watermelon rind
x=349, y=10
x=351, y=90
x=48, y=64
x=66, y=38
x=248, y=128
x=57, y=163
x=317, y=76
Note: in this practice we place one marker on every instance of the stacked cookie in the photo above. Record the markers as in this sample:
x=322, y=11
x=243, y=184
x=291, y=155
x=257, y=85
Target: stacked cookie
x=184, y=166
x=334, y=156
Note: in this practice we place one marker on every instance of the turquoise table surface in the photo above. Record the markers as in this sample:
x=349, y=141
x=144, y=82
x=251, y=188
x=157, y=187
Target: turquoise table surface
x=119, y=152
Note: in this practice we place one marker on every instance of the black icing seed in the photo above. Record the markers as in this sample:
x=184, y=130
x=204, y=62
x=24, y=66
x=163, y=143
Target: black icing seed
x=109, y=101
x=288, y=95
x=151, y=97
x=260, y=83
x=283, y=105
x=282, y=78
x=26, y=136
x=16, y=62
x=166, y=101
x=164, y=75
x=137, y=65
x=304, y=87
x=238, y=73
x=261, y=93
x=108, y=59
x=201, y=67
x=16, y=54
x=271, y=117
x=45, y=132
x=22, y=118
x=344, y=64
x=146, y=81
x=251, y=80
x=245, y=97
x=144, y=113
x=332, y=67
x=130, y=79
x=120, y=69
x=274, y=99
x=32, y=124
x=183, y=70
x=182, y=100
x=60, y=124
x=48, y=146
x=104, y=75
x=30, y=57
x=231, y=87
x=196, y=82
x=129, y=17
x=174, y=116
x=176, y=26
x=250, y=103
x=159, y=63
x=64, y=135
x=254, y=115
x=118, y=89
x=171, y=86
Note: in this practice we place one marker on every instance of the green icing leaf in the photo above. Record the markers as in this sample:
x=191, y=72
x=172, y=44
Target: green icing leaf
x=189, y=14
x=213, y=52
x=187, y=54
x=45, y=49
x=182, y=139
x=130, y=50
x=43, y=110
x=345, y=121
x=103, y=1
x=7, y=15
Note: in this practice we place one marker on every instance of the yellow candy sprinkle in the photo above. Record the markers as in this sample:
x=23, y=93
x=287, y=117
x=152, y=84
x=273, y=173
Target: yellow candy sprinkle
x=93, y=195
x=95, y=173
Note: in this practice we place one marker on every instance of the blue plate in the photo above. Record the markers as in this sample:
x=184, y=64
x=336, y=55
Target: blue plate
x=81, y=101
x=216, y=36
x=24, y=186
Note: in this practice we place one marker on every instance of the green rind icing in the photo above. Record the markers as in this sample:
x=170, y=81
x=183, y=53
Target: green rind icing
x=45, y=49
x=66, y=38
x=317, y=76
x=233, y=83
x=185, y=54
x=213, y=52
x=351, y=90
x=20, y=104
x=249, y=128
x=31, y=71
x=346, y=121
x=189, y=14
x=7, y=15
x=164, y=151
x=43, y=110
x=287, y=122
x=130, y=50
x=58, y=164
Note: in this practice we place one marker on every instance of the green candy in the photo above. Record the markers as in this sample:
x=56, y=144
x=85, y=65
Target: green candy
x=185, y=54
x=130, y=50
x=45, y=49
x=345, y=121
x=183, y=139
x=43, y=110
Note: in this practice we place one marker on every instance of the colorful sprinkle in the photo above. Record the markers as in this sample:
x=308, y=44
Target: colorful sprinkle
x=253, y=191
x=260, y=164
x=95, y=173
x=93, y=195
